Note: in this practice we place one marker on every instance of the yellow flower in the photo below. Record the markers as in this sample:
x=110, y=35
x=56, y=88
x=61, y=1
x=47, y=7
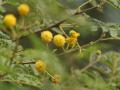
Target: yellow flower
x=74, y=34
x=56, y=79
x=59, y=40
x=23, y=9
x=40, y=66
x=46, y=36
x=9, y=20
x=71, y=40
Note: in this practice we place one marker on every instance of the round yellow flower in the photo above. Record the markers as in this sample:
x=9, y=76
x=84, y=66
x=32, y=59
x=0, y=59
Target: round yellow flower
x=71, y=40
x=46, y=36
x=56, y=79
x=40, y=66
x=59, y=40
x=9, y=20
x=23, y=9
x=74, y=34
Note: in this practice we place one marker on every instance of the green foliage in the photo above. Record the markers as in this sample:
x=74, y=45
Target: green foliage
x=79, y=66
x=115, y=3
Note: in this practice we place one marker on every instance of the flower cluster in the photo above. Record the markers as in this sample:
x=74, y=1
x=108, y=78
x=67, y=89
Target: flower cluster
x=10, y=20
x=72, y=39
x=23, y=9
x=46, y=36
x=41, y=67
x=56, y=79
x=59, y=40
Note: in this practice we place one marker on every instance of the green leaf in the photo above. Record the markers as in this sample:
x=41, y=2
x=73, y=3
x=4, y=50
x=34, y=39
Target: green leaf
x=114, y=3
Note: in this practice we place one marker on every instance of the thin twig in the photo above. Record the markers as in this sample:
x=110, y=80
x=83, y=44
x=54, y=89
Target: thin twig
x=62, y=21
x=87, y=45
x=30, y=62
x=90, y=64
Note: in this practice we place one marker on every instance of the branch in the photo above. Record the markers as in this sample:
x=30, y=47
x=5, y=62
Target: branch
x=32, y=62
x=90, y=64
x=62, y=21
x=87, y=45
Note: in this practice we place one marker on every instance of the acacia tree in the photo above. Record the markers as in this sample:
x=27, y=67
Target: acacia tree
x=46, y=45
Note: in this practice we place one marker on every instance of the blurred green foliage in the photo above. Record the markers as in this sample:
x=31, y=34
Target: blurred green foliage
x=78, y=70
